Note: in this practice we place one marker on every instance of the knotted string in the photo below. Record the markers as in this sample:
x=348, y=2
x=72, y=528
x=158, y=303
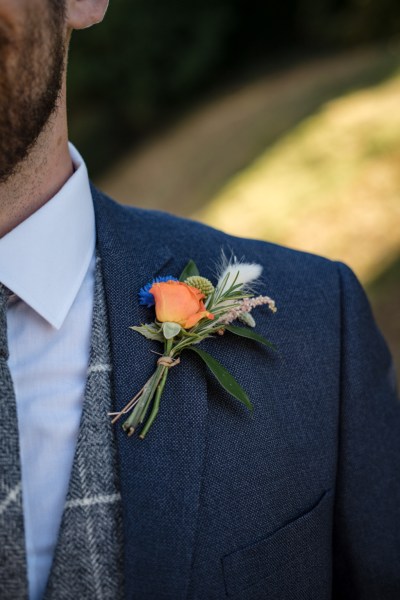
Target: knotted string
x=168, y=361
x=165, y=361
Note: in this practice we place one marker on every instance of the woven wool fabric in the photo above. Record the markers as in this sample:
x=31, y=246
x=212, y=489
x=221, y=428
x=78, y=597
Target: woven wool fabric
x=299, y=501
x=88, y=558
x=13, y=580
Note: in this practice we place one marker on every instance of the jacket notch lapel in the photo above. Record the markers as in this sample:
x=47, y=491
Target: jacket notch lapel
x=161, y=475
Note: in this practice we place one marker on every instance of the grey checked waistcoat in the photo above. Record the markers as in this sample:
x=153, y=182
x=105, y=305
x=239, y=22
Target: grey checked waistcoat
x=13, y=583
x=88, y=563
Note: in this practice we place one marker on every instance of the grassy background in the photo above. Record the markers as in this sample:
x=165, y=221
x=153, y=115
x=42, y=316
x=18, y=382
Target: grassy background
x=152, y=59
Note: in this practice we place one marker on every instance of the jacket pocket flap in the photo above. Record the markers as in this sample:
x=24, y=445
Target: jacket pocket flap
x=261, y=559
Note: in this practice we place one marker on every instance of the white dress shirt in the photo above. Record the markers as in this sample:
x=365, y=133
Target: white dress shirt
x=48, y=262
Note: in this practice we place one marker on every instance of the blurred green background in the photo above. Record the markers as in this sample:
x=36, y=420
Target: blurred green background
x=278, y=121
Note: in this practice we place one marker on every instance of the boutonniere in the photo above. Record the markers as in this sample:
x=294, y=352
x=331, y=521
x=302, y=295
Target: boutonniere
x=189, y=310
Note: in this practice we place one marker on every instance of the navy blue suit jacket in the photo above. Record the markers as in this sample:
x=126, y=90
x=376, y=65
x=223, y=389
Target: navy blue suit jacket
x=300, y=500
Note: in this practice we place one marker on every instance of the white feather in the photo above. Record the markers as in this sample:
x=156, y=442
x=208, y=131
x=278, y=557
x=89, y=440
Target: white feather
x=239, y=272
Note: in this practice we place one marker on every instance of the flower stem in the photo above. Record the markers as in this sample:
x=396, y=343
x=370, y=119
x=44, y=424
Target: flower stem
x=149, y=389
x=160, y=388
x=156, y=405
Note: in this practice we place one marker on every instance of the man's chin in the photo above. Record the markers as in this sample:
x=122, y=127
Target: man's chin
x=15, y=158
x=19, y=138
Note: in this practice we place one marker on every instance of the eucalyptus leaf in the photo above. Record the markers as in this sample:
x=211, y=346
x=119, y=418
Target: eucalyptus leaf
x=224, y=377
x=250, y=334
x=170, y=330
x=151, y=332
x=190, y=270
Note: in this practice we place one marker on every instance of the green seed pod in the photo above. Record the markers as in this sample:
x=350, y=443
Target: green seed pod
x=247, y=319
x=201, y=283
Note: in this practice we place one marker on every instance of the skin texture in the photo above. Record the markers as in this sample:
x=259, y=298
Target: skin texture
x=34, y=156
x=31, y=71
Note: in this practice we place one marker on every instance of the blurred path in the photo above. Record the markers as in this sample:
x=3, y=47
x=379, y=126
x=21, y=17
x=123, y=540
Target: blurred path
x=182, y=168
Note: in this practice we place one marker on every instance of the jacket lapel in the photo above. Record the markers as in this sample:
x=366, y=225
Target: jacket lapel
x=161, y=475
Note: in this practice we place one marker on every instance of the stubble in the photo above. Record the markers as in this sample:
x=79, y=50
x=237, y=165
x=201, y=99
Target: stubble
x=31, y=74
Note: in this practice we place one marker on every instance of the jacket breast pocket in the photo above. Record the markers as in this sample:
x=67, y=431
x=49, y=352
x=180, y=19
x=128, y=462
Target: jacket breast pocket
x=292, y=562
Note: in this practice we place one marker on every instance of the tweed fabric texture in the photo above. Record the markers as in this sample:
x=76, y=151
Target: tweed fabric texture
x=13, y=573
x=88, y=557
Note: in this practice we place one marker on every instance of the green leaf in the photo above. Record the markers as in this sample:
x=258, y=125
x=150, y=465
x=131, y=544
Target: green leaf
x=250, y=334
x=170, y=330
x=150, y=331
x=190, y=270
x=224, y=377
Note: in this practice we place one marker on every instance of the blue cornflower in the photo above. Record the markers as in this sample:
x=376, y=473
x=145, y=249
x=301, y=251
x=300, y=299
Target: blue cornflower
x=147, y=299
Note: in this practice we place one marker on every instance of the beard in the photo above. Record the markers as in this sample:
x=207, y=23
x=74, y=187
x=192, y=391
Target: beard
x=31, y=76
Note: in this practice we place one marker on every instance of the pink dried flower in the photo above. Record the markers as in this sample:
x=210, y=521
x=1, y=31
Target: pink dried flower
x=247, y=306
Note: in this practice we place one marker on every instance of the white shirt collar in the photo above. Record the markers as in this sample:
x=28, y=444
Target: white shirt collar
x=44, y=259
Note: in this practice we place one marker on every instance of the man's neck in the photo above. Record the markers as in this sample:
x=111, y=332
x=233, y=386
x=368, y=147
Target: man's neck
x=39, y=177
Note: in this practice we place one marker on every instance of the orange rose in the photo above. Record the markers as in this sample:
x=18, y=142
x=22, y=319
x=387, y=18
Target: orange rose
x=180, y=303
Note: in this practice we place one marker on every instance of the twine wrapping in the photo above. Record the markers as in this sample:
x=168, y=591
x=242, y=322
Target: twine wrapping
x=165, y=361
x=168, y=361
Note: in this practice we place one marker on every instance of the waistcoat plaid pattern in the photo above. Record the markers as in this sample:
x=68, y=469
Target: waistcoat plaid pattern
x=88, y=560
x=13, y=580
